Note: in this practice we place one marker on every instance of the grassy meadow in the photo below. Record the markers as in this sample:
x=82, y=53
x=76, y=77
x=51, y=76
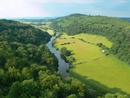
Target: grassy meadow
x=51, y=32
x=44, y=26
x=92, y=66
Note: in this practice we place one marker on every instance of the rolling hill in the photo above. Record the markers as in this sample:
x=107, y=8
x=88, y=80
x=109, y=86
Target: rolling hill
x=116, y=30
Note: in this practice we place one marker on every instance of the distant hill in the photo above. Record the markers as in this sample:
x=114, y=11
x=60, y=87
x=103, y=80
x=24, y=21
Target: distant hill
x=116, y=30
x=35, y=19
x=127, y=19
x=12, y=31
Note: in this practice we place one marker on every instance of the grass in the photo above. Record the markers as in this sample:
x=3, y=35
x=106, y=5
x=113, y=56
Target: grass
x=51, y=32
x=45, y=26
x=93, y=67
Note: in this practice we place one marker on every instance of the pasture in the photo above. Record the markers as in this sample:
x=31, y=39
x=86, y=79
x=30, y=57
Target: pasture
x=92, y=66
x=51, y=32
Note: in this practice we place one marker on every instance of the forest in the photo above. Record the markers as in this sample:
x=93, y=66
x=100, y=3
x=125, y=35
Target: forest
x=116, y=30
x=28, y=69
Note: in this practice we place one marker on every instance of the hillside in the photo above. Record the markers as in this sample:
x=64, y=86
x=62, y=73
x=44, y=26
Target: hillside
x=12, y=31
x=126, y=19
x=116, y=30
x=28, y=69
x=93, y=67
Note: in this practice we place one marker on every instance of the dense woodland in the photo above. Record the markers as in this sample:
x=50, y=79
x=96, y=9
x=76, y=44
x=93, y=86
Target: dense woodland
x=116, y=30
x=28, y=69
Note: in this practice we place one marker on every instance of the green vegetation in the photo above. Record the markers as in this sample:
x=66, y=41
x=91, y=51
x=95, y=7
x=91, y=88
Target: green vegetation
x=97, y=63
x=117, y=95
x=51, y=32
x=65, y=52
x=43, y=25
x=28, y=69
x=98, y=71
x=12, y=31
x=116, y=30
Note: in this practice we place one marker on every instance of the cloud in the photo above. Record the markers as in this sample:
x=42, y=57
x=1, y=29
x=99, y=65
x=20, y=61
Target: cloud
x=41, y=8
x=20, y=8
x=68, y=1
x=24, y=8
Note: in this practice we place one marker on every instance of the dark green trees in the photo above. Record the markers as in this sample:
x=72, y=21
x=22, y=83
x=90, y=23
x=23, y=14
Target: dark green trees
x=47, y=85
x=65, y=52
x=13, y=31
x=28, y=69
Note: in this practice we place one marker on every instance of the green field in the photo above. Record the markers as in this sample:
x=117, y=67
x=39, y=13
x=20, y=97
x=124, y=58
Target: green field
x=44, y=26
x=51, y=32
x=93, y=67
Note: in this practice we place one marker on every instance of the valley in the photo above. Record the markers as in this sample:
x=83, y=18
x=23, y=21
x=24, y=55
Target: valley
x=65, y=49
x=103, y=72
x=93, y=57
x=27, y=67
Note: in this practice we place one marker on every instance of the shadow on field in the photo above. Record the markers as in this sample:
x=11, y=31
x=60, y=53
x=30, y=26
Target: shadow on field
x=72, y=53
x=95, y=86
x=95, y=59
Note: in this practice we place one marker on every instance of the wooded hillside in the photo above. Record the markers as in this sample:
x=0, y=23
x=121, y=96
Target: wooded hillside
x=116, y=30
x=28, y=69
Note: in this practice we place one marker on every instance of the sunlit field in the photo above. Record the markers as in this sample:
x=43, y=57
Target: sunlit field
x=92, y=66
x=51, y=32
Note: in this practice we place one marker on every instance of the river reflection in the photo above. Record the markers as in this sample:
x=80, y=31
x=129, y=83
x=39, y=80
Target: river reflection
x=63, y=66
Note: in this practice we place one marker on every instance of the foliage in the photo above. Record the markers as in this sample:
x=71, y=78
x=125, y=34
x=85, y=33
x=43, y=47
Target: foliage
x=28, y=69
x=65, y=52
x=93, y=67
x=116, y=30
x=117, y=95
x=22, y=45
x=44, y=84
x=13, y=31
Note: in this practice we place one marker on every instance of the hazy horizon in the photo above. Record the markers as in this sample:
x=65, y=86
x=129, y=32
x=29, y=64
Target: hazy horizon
x=56, y=8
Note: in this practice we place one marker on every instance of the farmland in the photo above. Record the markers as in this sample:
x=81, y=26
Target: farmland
x=92, y=66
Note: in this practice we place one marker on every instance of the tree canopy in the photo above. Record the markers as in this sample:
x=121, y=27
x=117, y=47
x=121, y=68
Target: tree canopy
x=28, y=69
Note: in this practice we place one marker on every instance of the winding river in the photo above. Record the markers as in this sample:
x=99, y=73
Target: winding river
x=63, y=66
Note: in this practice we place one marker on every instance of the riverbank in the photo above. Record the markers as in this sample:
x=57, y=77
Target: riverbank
x=92, y=66
x=63, y=66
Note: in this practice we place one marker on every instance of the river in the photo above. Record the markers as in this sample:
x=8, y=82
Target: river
x=63, y=66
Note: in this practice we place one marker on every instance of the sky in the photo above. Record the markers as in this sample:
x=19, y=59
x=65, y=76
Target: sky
x=54, y=8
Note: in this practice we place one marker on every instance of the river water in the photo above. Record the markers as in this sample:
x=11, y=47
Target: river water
x=63, y=66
